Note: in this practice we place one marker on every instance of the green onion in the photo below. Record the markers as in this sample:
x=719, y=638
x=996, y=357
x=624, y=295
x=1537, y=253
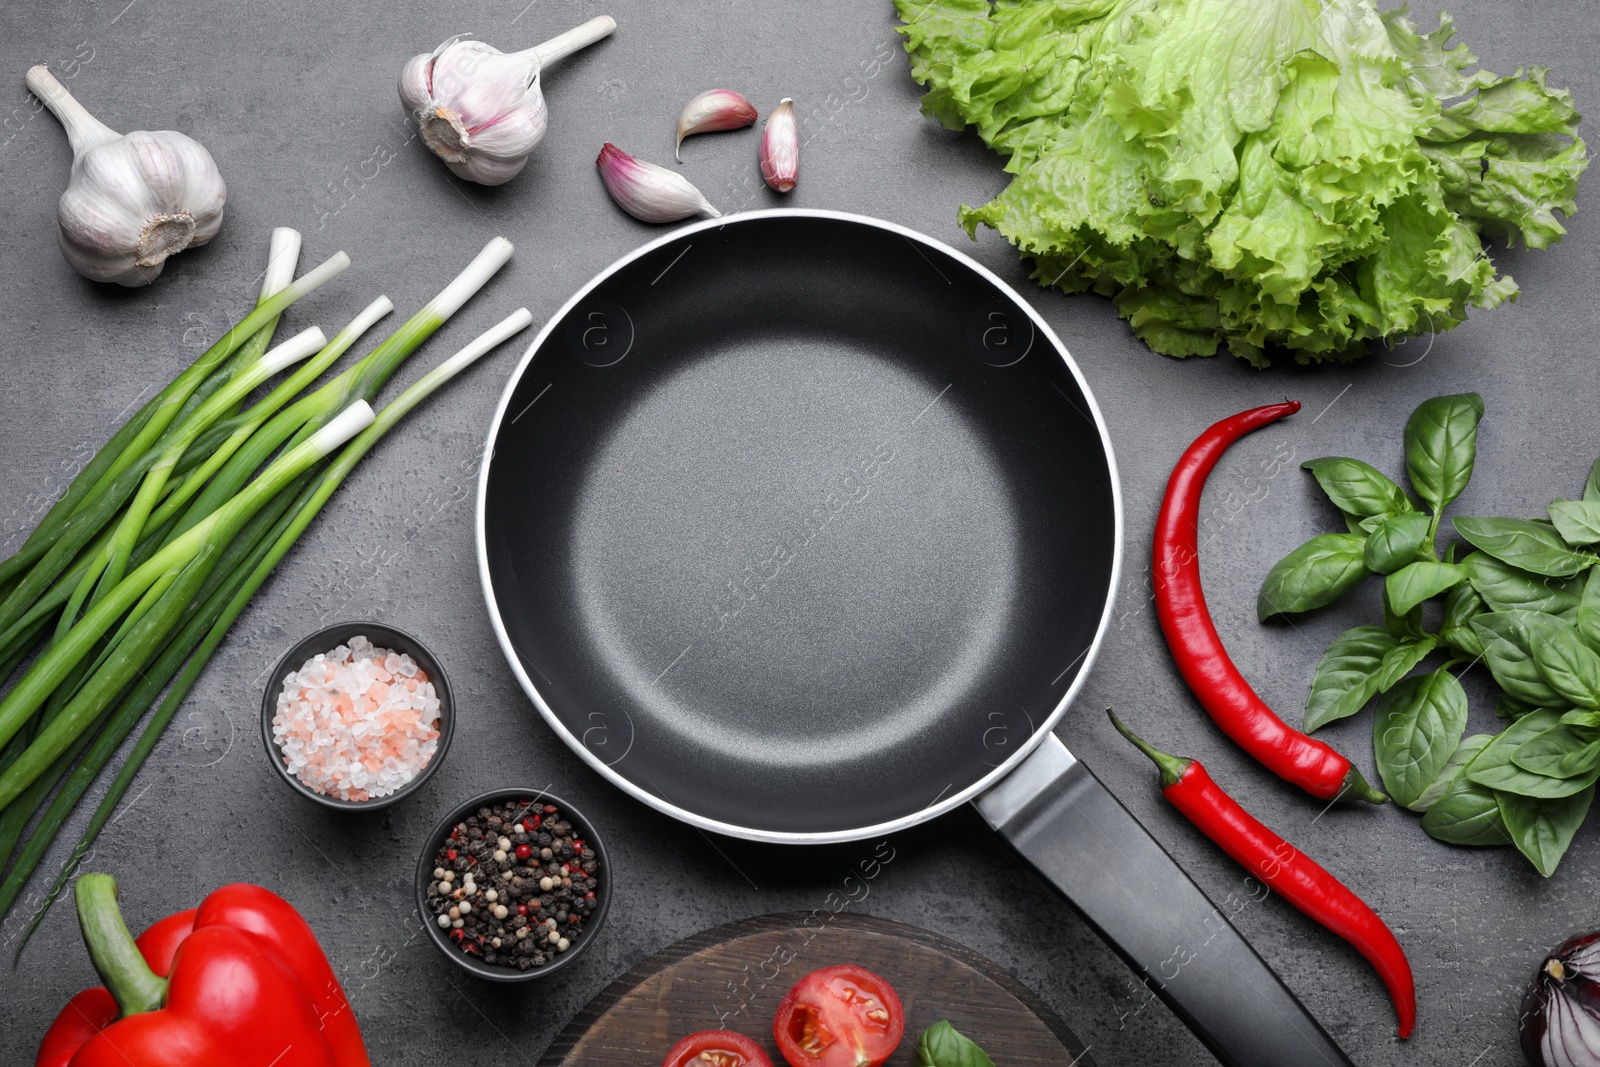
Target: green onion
x=141, y=432
x=233, y=567
x=260, y=567
x=51, y=668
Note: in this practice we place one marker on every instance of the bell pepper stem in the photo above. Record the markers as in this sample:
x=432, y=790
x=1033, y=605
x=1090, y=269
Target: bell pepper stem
x=121, y=966
x=1171, y=767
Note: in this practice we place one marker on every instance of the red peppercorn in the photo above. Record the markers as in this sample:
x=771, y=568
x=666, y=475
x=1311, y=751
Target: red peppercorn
x=589, y=895
x=450, y=854
x=549, y=809
x=577, y=846
x=537, y=819
x=457, y=935
x=523, y=852
x=522, y=909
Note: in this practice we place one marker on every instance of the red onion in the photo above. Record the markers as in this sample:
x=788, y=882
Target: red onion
x=1560, y=1024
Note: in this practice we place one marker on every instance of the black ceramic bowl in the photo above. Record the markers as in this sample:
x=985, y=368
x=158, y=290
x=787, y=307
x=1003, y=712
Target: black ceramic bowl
x=326, y=641
x=591, y=926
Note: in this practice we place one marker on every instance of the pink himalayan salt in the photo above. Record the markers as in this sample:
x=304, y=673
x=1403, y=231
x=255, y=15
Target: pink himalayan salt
x=358, y=722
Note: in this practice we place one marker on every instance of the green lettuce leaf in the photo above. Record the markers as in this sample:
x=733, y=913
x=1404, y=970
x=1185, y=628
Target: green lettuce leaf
x=1299, y=177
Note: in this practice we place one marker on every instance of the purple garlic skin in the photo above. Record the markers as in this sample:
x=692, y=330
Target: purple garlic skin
x=647, y=192
x=713, y=111
x=1560, y=1021
x=780, y=148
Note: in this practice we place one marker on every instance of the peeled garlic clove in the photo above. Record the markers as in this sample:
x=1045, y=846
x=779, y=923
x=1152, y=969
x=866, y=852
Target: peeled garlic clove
x=712, y=111
x=132, y=200
x=481, y=110
x=780, y=148
x=647, y=192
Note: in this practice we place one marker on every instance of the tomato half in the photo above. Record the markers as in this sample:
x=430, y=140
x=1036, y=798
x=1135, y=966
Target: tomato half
x=842, y=1016
x=716, y=1048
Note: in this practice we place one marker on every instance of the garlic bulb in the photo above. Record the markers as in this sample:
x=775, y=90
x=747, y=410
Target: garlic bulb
x=133, y=199
x=482, y=110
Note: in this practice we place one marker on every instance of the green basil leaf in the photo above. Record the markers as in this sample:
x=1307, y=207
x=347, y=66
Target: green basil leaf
x=1560, y=752
x=1542, y=829
x=1460, y=605
x=1588, y=613
x=1409, y=586
x=1495, y=768
x=1357, y=488
x=1466, y=813
x=1314, y=574
x=1451, y=772
x=1347, y=675
x=1507, y=588
x=1577, y=521
x=1568, y=666
x=942, y=1045
x=1508, y=707
x=1506, y=654
x=1527, y=543
x=1395, y=540
x=1441, y=445
x=1407, y=627
x=1587, y=717
x=1418, y=725
x=1591, y=488
x=1398, y=661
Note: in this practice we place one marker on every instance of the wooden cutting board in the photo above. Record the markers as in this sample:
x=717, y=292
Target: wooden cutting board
x=733, y=976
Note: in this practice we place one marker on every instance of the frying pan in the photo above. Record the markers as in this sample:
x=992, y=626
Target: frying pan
x=802, y=527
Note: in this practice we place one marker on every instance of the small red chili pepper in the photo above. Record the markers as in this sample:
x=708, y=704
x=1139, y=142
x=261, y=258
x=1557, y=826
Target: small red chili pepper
x=1192, y=637
x=1301, y=881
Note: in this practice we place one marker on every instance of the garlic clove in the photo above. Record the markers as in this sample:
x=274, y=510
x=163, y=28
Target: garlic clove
x=648, y=192
x=132, y=200
x=780, y=148
x=712, y=111
x=481, y=110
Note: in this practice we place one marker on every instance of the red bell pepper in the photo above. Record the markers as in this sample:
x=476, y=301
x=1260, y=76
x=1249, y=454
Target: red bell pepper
x=239, y=980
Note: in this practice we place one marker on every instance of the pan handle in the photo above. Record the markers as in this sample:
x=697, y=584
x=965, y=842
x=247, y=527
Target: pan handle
x=1068, y=825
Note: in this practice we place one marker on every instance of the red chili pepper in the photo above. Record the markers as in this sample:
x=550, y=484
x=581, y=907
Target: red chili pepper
x=239, y=980
x=1302, y=882
x=1192, y=637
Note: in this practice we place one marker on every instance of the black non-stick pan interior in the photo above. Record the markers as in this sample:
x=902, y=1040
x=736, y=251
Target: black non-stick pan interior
x=798, y=525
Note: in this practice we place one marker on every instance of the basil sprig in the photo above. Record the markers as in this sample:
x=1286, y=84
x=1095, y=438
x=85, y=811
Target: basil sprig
x=1522, y=602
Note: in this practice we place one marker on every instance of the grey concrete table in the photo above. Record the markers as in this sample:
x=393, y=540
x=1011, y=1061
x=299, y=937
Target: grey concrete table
x=296, y=100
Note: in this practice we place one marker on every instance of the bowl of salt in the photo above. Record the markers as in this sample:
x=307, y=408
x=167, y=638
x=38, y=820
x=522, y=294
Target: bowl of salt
x=357, y=716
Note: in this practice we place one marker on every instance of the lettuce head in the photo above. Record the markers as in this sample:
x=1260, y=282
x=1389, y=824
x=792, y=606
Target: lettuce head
x=1276, y=177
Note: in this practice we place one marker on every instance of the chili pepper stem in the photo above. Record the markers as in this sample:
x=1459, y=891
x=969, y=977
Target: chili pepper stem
x=121, y=966
x=1171, y=767
x=1357, y=787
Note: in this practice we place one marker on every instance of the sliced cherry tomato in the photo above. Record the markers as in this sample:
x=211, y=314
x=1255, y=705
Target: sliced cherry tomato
x=716, y=1048
x=842, y=1016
